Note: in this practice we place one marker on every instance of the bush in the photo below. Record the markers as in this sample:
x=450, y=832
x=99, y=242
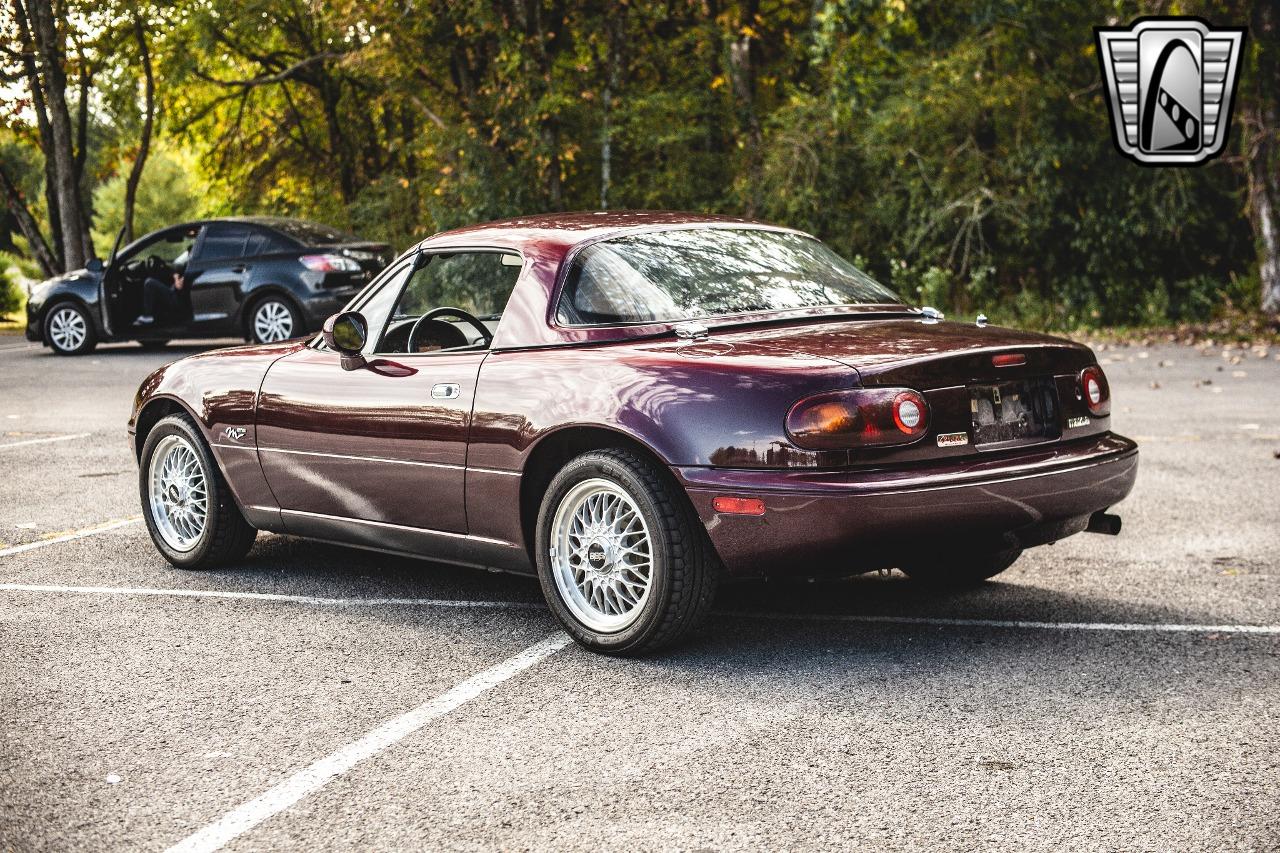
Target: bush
x=11, y=296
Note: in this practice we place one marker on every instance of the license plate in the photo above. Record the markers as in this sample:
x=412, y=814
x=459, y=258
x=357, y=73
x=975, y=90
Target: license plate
x=1018, y=412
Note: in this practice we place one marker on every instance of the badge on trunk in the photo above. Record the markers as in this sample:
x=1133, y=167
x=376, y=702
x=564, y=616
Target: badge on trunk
x=953, y=439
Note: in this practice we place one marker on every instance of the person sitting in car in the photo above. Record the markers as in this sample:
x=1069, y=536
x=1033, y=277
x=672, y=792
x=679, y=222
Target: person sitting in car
x=171, y=302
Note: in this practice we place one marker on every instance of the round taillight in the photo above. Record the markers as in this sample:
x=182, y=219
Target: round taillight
x=908, y=413
x=1094, y=391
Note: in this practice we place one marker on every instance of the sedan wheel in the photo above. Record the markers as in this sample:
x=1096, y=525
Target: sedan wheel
x=190, y=514
x=274, y=320
x=69, y=331
x=624, y=562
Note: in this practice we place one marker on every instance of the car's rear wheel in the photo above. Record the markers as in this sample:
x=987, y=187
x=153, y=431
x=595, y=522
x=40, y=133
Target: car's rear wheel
x=190, y=514
x=962, y=569
x=274, y=318
x=68, y=330
x=624, y=562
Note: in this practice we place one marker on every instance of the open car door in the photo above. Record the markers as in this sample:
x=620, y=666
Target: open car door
x=109, y=290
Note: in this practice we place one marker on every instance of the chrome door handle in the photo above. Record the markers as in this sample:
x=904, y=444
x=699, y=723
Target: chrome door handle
x=445, y=391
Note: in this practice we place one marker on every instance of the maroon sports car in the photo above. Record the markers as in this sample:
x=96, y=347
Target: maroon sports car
x=634, y=406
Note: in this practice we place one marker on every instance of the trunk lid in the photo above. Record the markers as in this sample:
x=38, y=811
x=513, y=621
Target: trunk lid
x=921, y=354
x=988, y=388
x=371, y=257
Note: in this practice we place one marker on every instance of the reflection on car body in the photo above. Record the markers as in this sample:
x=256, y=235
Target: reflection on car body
x=633, y=407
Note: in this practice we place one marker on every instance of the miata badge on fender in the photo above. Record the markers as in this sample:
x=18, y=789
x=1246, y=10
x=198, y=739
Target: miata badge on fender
x=953, y=439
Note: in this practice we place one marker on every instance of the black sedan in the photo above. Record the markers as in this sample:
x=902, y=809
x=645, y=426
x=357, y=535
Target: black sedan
x=261, y=278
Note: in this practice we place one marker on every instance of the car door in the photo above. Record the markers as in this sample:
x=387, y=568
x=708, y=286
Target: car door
x=216, y=274
x=378, y=454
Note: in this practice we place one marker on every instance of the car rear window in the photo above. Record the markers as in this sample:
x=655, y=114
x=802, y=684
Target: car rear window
x=707, y=272
x=314, y=233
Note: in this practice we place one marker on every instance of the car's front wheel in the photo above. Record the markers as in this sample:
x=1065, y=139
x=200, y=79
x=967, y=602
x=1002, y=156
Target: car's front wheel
x=274, y=318
x=190, y=514
x=68, y=330
x=624, y=562
x=962, y=569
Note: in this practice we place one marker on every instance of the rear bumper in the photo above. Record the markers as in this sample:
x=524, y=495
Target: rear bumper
x=819, y=522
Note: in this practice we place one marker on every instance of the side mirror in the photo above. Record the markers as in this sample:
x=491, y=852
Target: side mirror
x=95, y=265
x=346, y=334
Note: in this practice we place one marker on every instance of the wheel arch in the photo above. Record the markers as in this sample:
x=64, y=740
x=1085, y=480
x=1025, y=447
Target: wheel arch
x=152, y=412
x=554, y=450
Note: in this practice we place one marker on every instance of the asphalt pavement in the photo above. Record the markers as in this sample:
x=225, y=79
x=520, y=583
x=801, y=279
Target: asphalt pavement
x=1106, y=693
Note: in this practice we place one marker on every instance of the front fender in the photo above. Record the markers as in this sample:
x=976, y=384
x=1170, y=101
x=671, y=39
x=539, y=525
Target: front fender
x=218, y=390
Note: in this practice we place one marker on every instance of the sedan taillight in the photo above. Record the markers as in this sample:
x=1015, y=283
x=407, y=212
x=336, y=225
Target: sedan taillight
x=329, y=263
x=865, y=417
x=1094, y=390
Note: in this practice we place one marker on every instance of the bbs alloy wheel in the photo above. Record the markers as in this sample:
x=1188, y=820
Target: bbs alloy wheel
x=190, y=514
x=178, y=489
x=624, y=562
x=601, y=555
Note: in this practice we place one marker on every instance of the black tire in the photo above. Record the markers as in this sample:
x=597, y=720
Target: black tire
x=965, y=569
x=226, y=537
x=153, y=344
x=281, y=305
x=684, y=572
x=68, y=329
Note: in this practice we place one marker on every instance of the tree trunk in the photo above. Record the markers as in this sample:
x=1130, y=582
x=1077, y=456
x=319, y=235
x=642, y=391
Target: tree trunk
x=144, y=144
x=61, y=147
x=612, y=61
x=743, y=75
x=1262, y=153
x=31, y=72
x=27, y=225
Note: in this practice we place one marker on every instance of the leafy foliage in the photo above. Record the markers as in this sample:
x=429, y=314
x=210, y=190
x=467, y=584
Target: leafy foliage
x=960, y=150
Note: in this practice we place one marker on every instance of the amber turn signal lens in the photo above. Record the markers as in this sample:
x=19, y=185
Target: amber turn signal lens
x=738, y=506
x=863, y=417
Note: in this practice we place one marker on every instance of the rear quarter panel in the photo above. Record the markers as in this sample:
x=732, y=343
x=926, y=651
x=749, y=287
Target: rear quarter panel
x=689, y=404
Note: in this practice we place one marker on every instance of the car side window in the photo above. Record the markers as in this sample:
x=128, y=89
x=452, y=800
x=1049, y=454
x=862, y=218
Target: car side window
x=266, y=243
x=223, y=240
x=478, y=282
x=166, y=245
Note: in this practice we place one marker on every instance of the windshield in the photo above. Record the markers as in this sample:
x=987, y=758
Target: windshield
x=709, y=272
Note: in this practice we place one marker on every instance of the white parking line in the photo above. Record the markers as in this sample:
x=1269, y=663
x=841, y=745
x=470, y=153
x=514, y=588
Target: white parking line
x=271, y=596
x=28, y=441
x=320, y=773
x=941, y=621
x=67, y=537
